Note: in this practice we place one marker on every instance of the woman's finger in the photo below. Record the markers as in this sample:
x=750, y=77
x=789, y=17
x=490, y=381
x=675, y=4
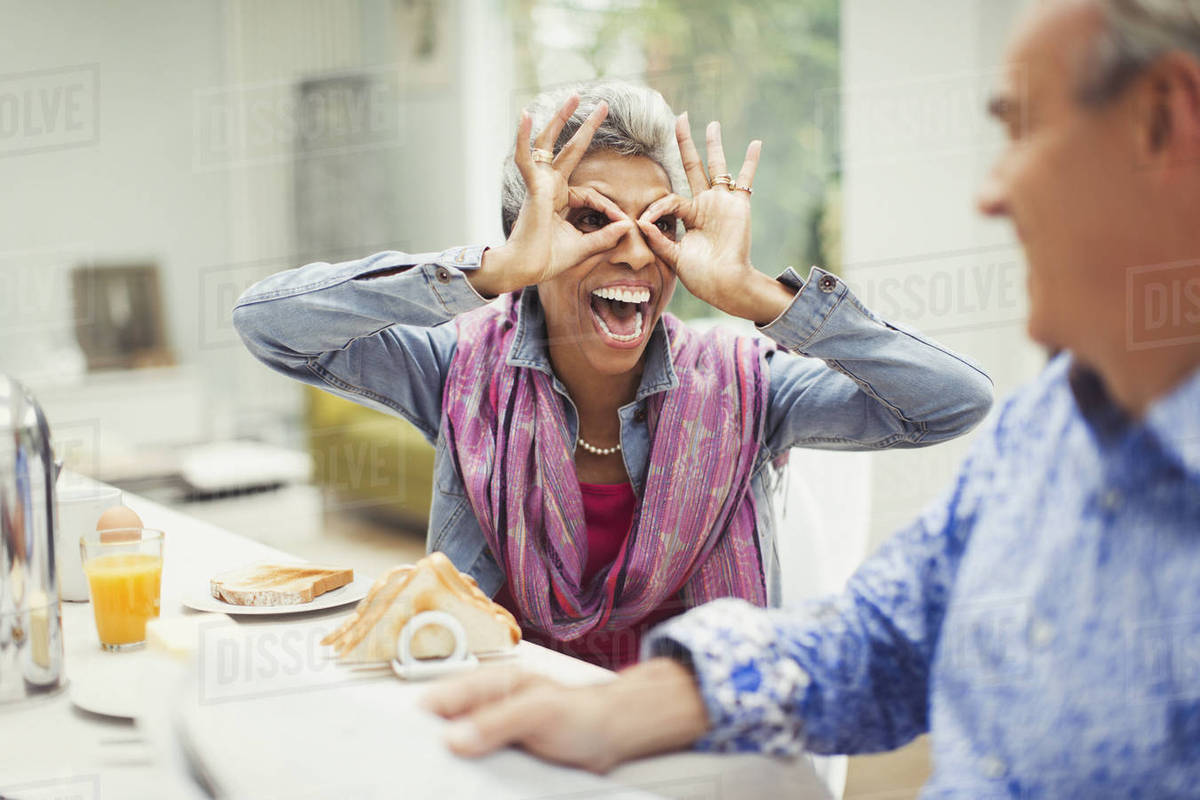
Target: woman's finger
x=665, y=248
x=619, y=224
x=521, y=154
x=745, y=178
x=683, y=209
x=453, y=697
x=716, y=154
x=549, y=134
x=587, y=197
x=575, y=149
x=673, y=207
x=693, y=167
x=605, y=238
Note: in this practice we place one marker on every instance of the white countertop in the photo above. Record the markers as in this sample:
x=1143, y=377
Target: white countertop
x=271, y=715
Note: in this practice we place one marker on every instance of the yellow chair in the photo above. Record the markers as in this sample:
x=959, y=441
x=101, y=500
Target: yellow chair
x=371, y=461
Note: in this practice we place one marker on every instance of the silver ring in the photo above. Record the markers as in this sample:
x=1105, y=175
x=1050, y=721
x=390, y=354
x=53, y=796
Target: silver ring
x=724, y=179
x=738, y=187
x=541, y=156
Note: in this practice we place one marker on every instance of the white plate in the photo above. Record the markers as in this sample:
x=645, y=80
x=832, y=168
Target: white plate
x=350, y=593
x=107, y=683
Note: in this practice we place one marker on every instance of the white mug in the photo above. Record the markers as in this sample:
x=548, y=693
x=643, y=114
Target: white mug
x=80, y=504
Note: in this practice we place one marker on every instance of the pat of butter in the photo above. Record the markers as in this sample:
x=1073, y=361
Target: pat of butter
x=179, y=637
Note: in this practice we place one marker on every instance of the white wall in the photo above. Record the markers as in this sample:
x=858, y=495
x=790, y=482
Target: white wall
x=915, y=146
x=488, y=109
x=127, y=191
x=139, y=168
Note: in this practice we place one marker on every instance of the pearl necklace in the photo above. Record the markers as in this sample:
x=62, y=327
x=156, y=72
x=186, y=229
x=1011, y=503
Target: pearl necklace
x=599, y=451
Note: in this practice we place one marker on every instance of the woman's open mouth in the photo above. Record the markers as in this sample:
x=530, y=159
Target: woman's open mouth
x=620, y=313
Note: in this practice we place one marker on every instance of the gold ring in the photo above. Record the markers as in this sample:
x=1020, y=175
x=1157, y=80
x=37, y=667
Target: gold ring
x=740, y=188
x=724, y=179
x=541, y=156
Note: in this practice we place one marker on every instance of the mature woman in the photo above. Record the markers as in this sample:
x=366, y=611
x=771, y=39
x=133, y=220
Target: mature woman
x=599, y=465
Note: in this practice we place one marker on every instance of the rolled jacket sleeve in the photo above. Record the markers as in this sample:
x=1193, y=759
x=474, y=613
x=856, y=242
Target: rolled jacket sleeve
x=848, y=380
x=371, y=330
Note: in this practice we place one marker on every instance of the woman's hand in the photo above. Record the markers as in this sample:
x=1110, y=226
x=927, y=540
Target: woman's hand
x=713, y=257
x=543, y=243
x=651, y=708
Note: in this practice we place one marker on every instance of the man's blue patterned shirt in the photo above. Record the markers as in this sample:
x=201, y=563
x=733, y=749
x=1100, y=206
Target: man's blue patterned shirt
x=1042, y=619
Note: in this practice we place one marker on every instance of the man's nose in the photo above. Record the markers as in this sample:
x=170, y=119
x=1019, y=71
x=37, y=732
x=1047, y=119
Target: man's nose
x=991, y=198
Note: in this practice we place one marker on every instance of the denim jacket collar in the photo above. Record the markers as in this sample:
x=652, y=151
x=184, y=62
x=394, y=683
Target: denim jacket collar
x=530, y=348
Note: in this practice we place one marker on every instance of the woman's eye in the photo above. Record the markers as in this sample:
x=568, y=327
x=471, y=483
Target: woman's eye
x=591, y=219
x=667, y=226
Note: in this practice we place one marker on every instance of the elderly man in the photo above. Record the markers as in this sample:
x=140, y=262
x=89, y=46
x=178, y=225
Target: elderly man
x=1042, y=619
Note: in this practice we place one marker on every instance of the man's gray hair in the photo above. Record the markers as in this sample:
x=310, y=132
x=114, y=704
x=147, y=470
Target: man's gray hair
x=1137, y=32
x=639, y=123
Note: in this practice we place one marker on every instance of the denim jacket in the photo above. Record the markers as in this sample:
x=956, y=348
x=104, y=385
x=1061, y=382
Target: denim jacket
x=382, y=342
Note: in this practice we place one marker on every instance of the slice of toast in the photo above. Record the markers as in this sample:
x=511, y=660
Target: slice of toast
x=432, y=584
x=277, y=584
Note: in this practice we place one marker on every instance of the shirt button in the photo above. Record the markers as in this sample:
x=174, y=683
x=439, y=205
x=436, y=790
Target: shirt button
x=993, y=768
x=1111, y=500
x=827, y=283
x=443, y=275
x=1043, y=633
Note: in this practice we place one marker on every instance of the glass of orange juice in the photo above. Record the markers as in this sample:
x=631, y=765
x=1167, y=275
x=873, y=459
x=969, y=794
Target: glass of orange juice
x=124, y=573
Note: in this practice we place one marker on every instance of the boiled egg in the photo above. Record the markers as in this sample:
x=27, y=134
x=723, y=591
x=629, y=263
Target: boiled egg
x=118, y=517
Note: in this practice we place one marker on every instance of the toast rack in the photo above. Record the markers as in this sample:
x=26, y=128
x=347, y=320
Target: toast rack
x=414, y=669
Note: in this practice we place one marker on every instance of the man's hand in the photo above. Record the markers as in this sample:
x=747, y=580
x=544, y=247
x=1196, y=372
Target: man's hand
x=651, y=708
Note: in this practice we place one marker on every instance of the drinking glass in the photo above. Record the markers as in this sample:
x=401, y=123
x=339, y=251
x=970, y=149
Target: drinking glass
x=124, y=572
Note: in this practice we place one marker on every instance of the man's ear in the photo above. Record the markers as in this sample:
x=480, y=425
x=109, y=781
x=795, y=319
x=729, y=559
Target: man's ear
x=1168, y=119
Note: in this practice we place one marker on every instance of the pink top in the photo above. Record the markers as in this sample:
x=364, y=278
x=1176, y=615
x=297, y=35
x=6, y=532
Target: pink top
x=608, y=510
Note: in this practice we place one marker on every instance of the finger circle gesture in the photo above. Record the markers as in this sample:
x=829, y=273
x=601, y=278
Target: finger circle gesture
x=543, y=243
x=714, y=253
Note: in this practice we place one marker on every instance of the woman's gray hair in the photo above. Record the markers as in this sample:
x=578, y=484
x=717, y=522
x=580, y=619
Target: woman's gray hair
x=1136, y=33
x=639, y=123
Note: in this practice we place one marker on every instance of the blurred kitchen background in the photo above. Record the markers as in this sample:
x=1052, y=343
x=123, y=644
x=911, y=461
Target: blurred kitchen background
x=156, y=158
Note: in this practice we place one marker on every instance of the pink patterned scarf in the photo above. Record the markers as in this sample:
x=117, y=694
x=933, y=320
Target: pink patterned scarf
x=694, y=531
